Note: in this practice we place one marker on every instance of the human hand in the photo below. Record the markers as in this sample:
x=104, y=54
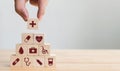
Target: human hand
x=20, y=8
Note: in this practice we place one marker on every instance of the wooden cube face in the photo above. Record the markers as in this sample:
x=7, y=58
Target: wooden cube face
x=21, y=49
x=27, y=38
x=33, y=61
x=39, y=61
x=33, y=23
x=33, y=50
x=44, y=49
x=50, y=61
x=27, y=61
x=15, y=61
x=39, y=39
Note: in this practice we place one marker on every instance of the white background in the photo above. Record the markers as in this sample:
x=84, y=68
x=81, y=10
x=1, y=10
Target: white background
x=83, y=24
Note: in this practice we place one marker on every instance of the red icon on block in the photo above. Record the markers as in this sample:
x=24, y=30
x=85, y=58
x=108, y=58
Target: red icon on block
x=50, y=61
x=26, y=60
x=44, y=51
x=16, y=61
x=39, y=62
x=39, y=38
x=33, y=50
x=32, y=24
x=27, y=38
x=21, y=51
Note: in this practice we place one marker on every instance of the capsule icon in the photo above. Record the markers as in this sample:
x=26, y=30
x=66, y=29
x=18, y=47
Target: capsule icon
x=27, y=38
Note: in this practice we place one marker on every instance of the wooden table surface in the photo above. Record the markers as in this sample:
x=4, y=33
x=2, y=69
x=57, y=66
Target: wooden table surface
x=76, y=60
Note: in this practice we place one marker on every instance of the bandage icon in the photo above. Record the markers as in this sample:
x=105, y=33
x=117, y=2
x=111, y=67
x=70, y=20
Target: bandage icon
x=16, y=61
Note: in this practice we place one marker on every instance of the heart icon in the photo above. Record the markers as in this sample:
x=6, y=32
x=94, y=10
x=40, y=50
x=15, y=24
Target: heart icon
x=39, y=38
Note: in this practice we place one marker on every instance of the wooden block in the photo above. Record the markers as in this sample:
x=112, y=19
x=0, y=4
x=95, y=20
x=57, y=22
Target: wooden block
x=33, y=23
x=27, y=61
x=27, y=38
x=39, y=39
x=39, y=61
x=21, y=49
x=44, y=49
x=33, y=49
x=15, y=61
x=33, y=62
x=50, y=61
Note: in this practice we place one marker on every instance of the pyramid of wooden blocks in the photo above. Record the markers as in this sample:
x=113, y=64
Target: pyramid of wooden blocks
x=33, y=54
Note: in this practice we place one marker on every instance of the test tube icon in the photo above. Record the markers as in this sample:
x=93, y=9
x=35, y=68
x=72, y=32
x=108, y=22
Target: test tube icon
x=27, y=38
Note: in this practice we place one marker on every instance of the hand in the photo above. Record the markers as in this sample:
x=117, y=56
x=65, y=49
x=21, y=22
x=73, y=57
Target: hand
x=20, y=8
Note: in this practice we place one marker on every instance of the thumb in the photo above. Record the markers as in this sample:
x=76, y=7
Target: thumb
x=41, y=8
x=40, y=13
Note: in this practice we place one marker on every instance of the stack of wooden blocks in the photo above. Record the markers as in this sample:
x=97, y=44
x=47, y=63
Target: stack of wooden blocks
x=33, y=54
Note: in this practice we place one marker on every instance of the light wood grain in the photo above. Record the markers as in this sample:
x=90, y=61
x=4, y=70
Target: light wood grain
x=76, y=60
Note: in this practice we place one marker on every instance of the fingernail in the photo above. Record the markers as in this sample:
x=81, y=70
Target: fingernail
x=25, y=17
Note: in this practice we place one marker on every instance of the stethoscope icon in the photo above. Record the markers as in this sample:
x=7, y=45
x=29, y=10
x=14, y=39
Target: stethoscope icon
x=26, y=60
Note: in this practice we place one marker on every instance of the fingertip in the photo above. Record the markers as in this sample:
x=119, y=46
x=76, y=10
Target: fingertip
x=26, y=15
x=38, y=16
x=25, y=19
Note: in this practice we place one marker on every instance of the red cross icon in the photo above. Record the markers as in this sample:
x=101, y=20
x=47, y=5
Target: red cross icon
x=32, y=23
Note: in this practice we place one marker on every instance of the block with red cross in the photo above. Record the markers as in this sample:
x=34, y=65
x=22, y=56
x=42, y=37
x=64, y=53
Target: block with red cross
x=33, y=23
